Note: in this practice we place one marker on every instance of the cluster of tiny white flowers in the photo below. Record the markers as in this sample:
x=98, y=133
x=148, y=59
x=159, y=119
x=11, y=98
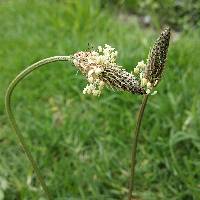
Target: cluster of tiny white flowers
x=106, y=55
x=140, y=71
x=94, y=87
x=92, y=64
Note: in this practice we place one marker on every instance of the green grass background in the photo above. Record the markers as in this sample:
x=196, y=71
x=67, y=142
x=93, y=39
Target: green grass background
x=83, y=143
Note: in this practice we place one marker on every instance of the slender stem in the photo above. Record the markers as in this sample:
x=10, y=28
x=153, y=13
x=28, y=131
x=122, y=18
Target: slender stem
x=134, y=146
x=11, y=117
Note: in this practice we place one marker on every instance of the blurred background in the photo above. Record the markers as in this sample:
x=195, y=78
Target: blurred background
x=83, y=143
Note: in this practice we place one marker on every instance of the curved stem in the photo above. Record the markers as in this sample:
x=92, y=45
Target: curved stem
x=134, y=146
x=12, y=120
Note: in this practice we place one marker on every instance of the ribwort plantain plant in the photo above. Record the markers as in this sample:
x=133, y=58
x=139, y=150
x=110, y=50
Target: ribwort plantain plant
x=150, y=75
x=100, y=69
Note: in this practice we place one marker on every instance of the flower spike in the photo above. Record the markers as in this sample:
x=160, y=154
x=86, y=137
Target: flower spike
x=157, y=57
x=101, y=69
x=150, y=74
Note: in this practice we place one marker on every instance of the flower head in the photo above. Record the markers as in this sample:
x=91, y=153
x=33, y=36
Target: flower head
x=150, y=73
x=100, y=69
x=157, y=57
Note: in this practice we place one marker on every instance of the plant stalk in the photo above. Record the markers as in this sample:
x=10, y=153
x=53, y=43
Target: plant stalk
x=12, y=120
x=134, y=145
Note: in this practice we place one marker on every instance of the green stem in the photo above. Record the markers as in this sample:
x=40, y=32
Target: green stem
x=12, y=120
x=134, y=146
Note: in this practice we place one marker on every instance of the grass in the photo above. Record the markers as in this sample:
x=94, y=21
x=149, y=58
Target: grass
x=83, y=143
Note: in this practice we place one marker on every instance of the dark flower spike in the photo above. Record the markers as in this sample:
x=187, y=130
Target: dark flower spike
x=157, y=58
x=151, y=73
x=101, y=69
